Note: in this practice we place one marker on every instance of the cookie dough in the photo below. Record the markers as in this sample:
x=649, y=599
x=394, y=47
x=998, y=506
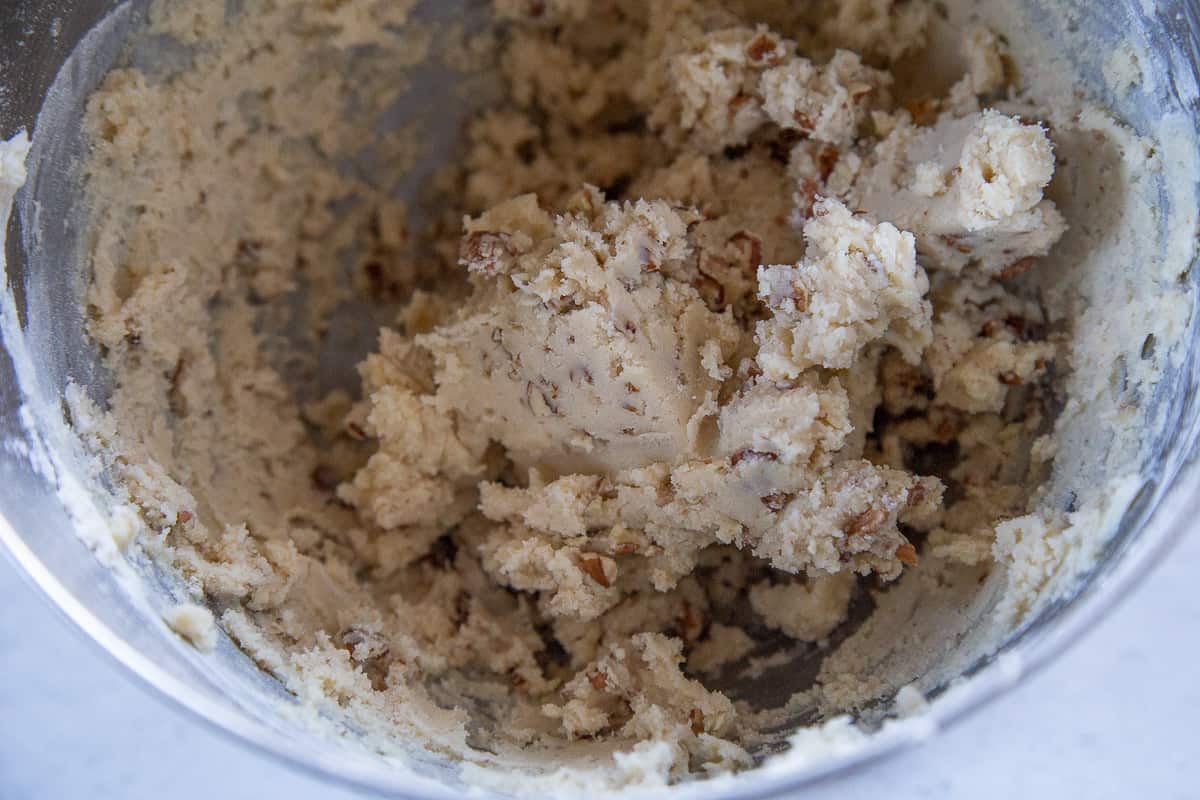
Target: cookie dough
x=712, y=332
x=194, y=624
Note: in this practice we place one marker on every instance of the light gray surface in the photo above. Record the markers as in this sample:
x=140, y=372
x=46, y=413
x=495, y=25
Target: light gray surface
x=1115, y=718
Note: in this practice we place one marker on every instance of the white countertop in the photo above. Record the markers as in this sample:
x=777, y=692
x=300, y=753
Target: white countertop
x=1114, y=718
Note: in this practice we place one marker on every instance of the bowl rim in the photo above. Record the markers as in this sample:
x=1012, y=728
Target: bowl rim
x=1173, y=517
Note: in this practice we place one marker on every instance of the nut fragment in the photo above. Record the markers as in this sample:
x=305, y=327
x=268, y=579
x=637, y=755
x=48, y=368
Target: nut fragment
x=697, y=720
x=807, y=191
x=541, y=399
x=924, y=112
x=907, y=554
x=1015, y=269
x=753, y=455
x=826, y=160
x=486, y=253
x=598, y=680
x=800, y=298
x=764, y=49
x=176, y=399
x=594, y=567
x=869, y=521
x=646, y=259
x=777, y=501
x=751, y=247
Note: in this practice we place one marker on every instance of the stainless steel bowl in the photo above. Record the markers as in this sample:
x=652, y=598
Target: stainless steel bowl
x=45, y=347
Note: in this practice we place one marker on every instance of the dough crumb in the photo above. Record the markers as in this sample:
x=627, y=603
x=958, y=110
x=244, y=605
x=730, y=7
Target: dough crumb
x=195, y=624
x=970, y=189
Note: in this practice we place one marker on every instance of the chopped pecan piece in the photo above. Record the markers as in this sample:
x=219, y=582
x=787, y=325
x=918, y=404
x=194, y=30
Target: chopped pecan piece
x=777, y=501
x=764, y=49
x=826, y=160
x=924, y=112
x=541, y=399
x=806, y=197
x=868, y=522
x=738, y=101
x=486, y=253
x=1015, y=269
x=594, y=567
x=751, y=247
x=800, y=298
x=755, y=455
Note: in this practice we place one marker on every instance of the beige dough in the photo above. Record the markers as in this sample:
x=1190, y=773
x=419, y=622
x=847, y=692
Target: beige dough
x=611, y=440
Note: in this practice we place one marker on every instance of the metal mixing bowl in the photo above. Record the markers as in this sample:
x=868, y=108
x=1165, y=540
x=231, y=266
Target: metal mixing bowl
x=45, y=281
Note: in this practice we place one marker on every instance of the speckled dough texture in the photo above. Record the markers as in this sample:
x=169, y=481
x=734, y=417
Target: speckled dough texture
x=719, y=331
